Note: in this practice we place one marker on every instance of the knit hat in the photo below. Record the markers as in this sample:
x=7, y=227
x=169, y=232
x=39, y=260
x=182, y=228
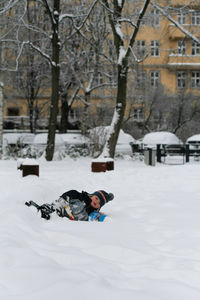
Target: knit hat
x=103, y=196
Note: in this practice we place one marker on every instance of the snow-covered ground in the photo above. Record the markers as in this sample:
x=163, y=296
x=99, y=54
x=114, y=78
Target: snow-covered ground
x=149, y=250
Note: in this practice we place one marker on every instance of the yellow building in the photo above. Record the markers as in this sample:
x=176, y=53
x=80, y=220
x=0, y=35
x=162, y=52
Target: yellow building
x=169, y=57
x=172, y=57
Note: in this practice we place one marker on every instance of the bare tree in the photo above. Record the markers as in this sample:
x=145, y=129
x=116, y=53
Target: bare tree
x=88, y=61
x=32, y=76
x=117, y=18
x=56, y=16
x=183, y=110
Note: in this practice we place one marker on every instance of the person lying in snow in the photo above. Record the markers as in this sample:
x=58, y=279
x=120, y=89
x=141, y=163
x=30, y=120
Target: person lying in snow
x=76, y=206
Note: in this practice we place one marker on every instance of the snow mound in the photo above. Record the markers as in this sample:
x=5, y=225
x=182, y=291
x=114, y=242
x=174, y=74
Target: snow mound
x=42, y=139
x=194, y=138
x=162, y=137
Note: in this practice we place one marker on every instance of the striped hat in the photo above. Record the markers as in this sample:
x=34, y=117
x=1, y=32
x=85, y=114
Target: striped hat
x=103, y=196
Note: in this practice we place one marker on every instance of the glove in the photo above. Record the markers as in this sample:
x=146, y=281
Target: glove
x=96, y=216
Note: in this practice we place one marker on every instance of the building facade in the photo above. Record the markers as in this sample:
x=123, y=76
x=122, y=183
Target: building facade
x=168, y=58
x=172, y=57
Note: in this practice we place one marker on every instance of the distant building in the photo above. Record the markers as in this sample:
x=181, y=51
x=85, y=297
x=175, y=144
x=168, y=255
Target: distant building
x=168, y=57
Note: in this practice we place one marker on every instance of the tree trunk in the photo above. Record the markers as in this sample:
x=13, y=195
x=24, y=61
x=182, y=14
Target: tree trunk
x=122, y=56
x=53, y=113
x=55, y=73
x=85, y=119
x=109, y=149
x=31, y=118
x=64, y=114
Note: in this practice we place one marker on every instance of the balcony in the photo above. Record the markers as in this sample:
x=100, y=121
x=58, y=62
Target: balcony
x=178, y=3
x=23, y=122
x=176, y=34
x=183, y=62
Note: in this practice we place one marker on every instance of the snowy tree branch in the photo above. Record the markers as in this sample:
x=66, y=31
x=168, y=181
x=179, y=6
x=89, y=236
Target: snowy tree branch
x=135, y=57
x=141, y=14
x=8, y=6
x=49, y=12
x=186, y=32
x=41, y=52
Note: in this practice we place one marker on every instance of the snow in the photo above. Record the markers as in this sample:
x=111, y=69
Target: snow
x=29, y=162
x=161, y=137
x=149, y=249
x=74, y=139
x=194, y=141
x=120, y=3
x=119, y=31
x=123, y=144
x=103, y=159
x=122, y=54
x=63, y=16
x=184, y=64
x=194, y=138
x=42, y=139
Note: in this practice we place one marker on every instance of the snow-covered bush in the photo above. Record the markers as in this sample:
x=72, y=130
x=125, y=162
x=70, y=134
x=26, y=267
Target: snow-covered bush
x=76, y=152
x=19, y=150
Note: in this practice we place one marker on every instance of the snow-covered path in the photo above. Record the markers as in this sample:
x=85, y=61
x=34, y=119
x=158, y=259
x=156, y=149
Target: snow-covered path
x=149, y=250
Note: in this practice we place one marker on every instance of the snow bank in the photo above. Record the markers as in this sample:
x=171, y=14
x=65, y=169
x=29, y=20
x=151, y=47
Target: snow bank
x=99, y=134
x=161, y=137
x=148, y=251
x=194, y=138
x=42, y=139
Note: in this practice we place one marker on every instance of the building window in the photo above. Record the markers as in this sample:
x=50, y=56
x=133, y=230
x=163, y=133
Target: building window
x=141, y=78
x=155, y=48
x=12, y=111
x=182, y=47
x=181, y=79
x=195, y=79
x=98, y=78
x=141, y=48
x=195, y=19
x=154, y=77
x=182, y=18
x=138, y=114
x=195, y=48
x=111, y=77
x=155, y=17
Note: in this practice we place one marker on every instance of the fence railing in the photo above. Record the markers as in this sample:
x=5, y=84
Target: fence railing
x=186, y=151
x=23, y=122
x=166, y=150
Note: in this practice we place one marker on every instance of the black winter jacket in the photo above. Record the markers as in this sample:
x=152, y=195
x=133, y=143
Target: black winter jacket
x=83, y=197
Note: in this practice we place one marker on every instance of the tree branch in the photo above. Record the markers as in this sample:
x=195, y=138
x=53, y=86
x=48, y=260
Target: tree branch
x=186, y=32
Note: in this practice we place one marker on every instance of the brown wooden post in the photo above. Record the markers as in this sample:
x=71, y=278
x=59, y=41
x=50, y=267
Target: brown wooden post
x=30, y=170
x=102, y=165
x=110, y=165
x=28, y=167
x=98, y=166
x=1, y=119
